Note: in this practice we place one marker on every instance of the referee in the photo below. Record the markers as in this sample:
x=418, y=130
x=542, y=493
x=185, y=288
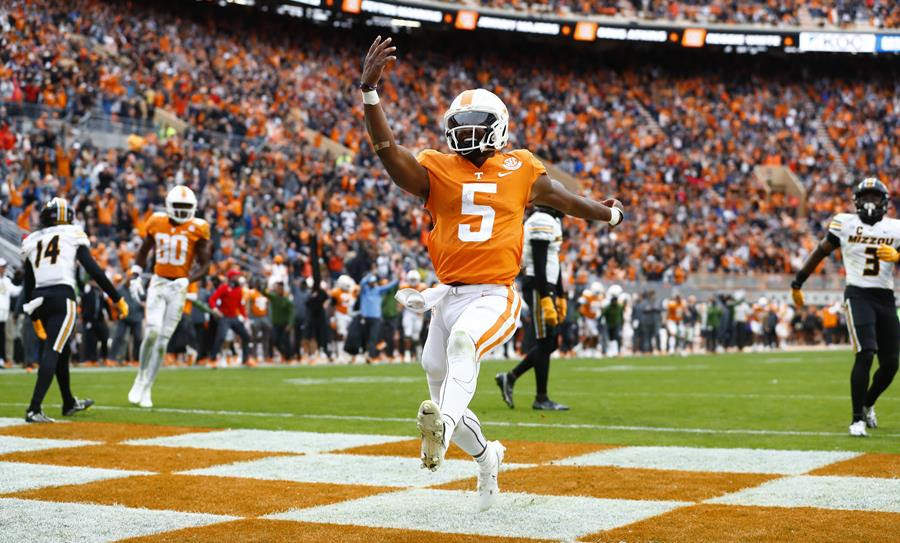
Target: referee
x=50, y=256
x=546, y=300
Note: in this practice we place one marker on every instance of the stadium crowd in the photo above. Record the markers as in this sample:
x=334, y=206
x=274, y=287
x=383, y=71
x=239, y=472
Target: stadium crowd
x=832, y=13
x=247, y=96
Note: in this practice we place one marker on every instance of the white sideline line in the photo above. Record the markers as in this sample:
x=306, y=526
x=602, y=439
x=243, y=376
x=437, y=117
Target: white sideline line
x=483, y=422
x=718, y=395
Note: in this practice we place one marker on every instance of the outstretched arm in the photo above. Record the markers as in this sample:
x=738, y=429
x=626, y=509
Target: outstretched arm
x=823, y=249
x=401, y=165
x=552, y=193
x=97, y=274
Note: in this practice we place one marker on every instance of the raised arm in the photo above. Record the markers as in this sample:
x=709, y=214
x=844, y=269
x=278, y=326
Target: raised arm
x=401, y=165
x=552, y=193
x=823, y=249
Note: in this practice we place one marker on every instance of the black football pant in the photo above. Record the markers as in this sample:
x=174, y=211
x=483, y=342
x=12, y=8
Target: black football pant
x=545, y=342
x=371, y=334
x=231, y=323
x=57, y=313
x=95, y=331
x=120, y=345
x=874, y=328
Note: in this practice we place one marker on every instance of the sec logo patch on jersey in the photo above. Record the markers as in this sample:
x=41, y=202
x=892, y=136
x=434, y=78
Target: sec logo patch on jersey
x=512, y=163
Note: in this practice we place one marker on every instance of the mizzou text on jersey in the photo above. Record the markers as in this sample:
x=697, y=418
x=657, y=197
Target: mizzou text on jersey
x=174, y=244
x=859, y=242
x=477, y=213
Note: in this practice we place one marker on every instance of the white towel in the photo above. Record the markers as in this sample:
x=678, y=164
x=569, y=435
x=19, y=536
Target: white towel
x=420, y=302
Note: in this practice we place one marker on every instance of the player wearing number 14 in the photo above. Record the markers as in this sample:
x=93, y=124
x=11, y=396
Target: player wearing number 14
x=477, y=195
x=176, y=239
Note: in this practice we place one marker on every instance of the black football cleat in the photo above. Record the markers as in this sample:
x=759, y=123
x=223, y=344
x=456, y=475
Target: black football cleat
x=79, y=405
x=549, y=405
x=38, y=416
x=506, y=388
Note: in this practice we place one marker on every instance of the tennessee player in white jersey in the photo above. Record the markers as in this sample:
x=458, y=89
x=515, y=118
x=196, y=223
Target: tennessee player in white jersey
x=176, y=239
x=50, y=257
x=868, y=242
x=476, y=196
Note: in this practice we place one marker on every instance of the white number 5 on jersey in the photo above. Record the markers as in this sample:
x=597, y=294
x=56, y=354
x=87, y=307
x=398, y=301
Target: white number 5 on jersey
x=469, y=207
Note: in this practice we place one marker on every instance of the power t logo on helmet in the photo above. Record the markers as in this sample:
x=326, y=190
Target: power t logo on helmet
x=476, y=121
x=181, y=204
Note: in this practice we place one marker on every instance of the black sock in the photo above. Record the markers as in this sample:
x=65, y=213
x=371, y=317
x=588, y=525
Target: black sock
x=62, y=379
x=526, y=364
x=542, y=373
x=46, y=369
x=881, y=380
x=859, y=382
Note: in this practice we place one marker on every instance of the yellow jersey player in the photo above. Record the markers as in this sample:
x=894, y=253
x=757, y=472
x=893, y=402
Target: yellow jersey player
x=176, y=239
x=477, y=196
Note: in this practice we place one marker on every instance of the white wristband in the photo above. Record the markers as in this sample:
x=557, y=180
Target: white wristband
x=370, y=98
x=616, y=217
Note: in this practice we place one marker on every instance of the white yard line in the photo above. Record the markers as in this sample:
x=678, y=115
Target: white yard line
x=611, y=427
x=816, y=397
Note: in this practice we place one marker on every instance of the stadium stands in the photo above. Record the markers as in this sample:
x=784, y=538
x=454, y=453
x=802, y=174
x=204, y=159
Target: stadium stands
x=676, y=140
x=807, y=13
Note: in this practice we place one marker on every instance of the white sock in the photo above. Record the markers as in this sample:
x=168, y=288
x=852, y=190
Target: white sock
x=469, y=437
x=159, y=352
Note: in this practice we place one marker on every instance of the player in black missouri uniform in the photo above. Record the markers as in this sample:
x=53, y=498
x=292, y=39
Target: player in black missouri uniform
x=868, y=242
x=546, y=300
x=50, y=256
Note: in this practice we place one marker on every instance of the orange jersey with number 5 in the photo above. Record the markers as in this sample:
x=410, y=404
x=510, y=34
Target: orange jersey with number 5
x=174, y=244
x=477, y=213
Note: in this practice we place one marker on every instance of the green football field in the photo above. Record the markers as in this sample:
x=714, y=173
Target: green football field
x=773, y=400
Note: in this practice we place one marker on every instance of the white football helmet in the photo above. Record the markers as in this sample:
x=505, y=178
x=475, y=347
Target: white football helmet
x=413, y=277
x=472, y=110
x=345, y=283
x=596, y=287
x=181, y=204
x=614, y=290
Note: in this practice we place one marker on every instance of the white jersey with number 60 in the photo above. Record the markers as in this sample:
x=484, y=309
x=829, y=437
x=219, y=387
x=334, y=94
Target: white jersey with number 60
x=859, y=243
x=52, y=253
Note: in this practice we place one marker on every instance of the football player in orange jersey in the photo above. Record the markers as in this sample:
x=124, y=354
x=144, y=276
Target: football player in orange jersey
x=343, y=297
x=177, y=239
x=477, y=196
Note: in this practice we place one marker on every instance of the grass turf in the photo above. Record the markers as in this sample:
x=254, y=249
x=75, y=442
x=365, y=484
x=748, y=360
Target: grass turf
x=728, y=400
